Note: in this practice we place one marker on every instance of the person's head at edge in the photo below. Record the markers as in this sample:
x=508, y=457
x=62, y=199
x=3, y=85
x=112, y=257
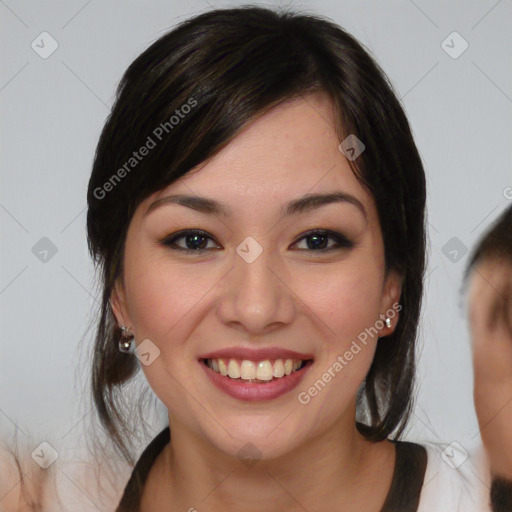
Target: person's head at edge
x=488, y=278
x=261, y=102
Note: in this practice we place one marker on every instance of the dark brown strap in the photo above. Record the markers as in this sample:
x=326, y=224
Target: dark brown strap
x=501, y=494
x=130, y=502
x=408, y=476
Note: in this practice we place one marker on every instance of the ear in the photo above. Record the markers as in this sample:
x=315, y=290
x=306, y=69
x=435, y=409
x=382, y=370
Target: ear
x=390, y=307
x=118, y=303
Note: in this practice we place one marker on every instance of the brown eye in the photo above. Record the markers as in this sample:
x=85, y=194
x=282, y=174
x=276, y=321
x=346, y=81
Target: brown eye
x=194, y=241
x=318, y=241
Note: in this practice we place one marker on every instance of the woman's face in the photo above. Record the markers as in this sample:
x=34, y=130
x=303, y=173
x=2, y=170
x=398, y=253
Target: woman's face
x=257, y=285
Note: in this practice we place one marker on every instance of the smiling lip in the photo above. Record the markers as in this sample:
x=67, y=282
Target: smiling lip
x=254, y=391
x=255, y=354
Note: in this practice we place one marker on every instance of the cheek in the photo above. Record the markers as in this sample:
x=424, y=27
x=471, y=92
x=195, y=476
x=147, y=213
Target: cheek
x=162, y=296
x=161, y=293
x=348, y=301
x=349, y=305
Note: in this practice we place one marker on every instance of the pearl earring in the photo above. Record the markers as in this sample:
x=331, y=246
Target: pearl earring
x=388, y=322
x=126, y=341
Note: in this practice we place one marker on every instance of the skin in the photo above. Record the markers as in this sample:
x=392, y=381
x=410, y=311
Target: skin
x=490, y=318
x=292, y=296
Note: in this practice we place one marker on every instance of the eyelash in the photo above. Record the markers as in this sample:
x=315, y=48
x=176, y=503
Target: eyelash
x=342, y=241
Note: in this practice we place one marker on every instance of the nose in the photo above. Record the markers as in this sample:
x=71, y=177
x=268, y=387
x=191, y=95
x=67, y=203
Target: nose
x=257, y=297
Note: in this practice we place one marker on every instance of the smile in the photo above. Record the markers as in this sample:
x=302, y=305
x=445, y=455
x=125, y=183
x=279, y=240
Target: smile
x=255, y=379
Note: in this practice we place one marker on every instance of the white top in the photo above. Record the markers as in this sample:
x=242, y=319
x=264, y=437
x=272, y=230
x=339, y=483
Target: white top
x=455, y=480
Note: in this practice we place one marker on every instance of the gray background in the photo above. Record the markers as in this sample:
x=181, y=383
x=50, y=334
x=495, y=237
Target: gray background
x=53, y=110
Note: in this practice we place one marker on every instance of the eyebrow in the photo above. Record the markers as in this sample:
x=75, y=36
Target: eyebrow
x=297, y=206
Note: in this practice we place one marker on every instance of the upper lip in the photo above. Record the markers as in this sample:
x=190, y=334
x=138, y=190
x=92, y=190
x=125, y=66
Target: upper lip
x=255, y=354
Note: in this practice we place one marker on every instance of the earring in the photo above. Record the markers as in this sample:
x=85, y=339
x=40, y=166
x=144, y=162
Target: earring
x=126, y=341
x=388, y=322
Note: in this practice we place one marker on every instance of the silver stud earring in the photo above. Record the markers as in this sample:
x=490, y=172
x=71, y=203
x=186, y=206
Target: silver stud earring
x=126, y=341
x=388, y=322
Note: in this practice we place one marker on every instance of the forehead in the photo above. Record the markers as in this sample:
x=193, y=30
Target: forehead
x=289, y=151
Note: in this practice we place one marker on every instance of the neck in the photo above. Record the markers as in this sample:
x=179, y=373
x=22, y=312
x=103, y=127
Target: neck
x=340, y=466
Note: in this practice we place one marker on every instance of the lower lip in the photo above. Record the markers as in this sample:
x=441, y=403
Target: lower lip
x=254, y=391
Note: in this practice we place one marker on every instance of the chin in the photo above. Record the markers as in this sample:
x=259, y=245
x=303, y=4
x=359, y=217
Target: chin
x=258, y=438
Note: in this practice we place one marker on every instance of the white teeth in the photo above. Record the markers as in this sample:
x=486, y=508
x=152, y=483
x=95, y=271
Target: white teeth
x=223, y=368
x=250, y=370
x=247, y=370
x=278, y=368
x=233, y=369
x=264, y=371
